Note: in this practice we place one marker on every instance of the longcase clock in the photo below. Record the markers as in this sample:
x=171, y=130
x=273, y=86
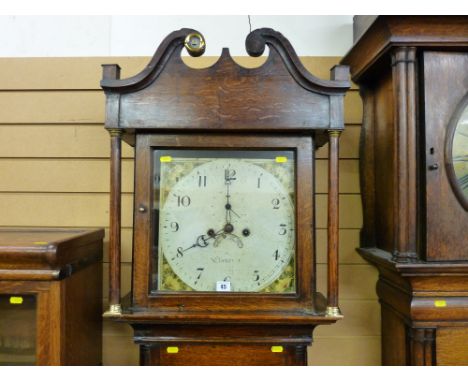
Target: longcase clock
x=413, y=77
x=224, y=268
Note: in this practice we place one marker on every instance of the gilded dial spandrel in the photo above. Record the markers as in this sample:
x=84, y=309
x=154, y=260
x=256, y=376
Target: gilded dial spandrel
x=227, y=220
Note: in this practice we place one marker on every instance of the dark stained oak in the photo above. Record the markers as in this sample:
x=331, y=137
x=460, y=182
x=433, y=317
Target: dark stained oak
x=303, y=146
x=452, y=346
x=279, y=95
x=278, y=106
x=63, y=269
x=369, y=54
x=424, y=311
x=115, y=212
x=446, y=237
x=412, y=73
x=333, y=218
x=224, y=355
x=57, y=250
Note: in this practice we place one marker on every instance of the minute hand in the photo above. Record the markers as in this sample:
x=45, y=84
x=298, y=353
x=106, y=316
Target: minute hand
x=228, y=177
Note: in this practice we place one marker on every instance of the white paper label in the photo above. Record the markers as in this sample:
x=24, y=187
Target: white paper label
x=223, y=286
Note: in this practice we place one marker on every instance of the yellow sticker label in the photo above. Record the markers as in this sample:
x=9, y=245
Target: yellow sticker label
x=281, y=159
x=17, y=300
x=40, y=243
x=276, y=349
x=172, y=349
x=440, y=303
x=166, y=159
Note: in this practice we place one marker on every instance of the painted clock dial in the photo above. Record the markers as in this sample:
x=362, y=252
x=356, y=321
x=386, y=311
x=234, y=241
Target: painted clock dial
x=226, y=222
x=459, y=155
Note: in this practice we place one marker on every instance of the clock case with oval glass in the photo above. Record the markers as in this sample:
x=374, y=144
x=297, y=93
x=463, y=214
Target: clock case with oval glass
x=224, y=264
x=413, y=79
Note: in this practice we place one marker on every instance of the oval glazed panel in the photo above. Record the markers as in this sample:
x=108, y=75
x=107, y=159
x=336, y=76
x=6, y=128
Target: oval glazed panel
x=460, y=156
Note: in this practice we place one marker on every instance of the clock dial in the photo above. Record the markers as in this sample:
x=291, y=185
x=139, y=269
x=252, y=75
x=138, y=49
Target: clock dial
x=227, y=224
x=460, y=154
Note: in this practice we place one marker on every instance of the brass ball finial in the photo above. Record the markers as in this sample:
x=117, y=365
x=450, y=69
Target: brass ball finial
x=195, y=44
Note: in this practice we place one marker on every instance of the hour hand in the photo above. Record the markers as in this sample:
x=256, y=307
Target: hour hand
x=202, y=240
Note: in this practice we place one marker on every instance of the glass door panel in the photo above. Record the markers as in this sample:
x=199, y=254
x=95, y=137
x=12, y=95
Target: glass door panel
x=18, y=329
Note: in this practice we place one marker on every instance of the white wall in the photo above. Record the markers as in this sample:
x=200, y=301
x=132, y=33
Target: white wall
x=64, y=36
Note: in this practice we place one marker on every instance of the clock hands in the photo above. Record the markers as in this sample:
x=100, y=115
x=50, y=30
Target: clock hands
x=201, y=241
x=229, y=176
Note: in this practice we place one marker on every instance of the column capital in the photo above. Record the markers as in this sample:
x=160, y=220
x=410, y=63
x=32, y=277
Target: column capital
x=113, y=132
x=334, y=133
x=403, y=55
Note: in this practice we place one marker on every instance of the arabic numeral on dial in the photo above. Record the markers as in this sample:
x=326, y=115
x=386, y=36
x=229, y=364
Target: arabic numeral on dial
x=183, y=201
x=180, y=252
x=282, y=230
x=276, y=254
x=276, y=203
x=256, y=276
x=174, y=226
x=229, y=175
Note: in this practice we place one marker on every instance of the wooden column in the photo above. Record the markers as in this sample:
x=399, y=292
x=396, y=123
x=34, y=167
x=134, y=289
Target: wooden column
x=422, y=346
x=112, y=72
x=405, y=203
x=115, y=221
x=367, y=167
x=333, y=222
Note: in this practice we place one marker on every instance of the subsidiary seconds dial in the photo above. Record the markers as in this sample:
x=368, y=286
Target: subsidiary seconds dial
x=228, y=220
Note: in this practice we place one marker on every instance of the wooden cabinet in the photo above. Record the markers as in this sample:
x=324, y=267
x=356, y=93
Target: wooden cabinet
x=50, y=297
x=413, y=76
x=224, y=268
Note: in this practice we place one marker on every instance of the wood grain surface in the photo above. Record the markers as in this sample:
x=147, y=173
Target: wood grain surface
x=412, y=73
x=58, y=144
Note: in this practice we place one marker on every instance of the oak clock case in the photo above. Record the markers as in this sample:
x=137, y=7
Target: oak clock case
x=457, y=153
x=223, y=227
x=413, y=78
x=224, y=269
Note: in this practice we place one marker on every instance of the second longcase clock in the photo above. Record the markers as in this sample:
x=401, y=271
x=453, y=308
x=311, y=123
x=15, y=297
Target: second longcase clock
x=223, y=255
x=413, y=77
